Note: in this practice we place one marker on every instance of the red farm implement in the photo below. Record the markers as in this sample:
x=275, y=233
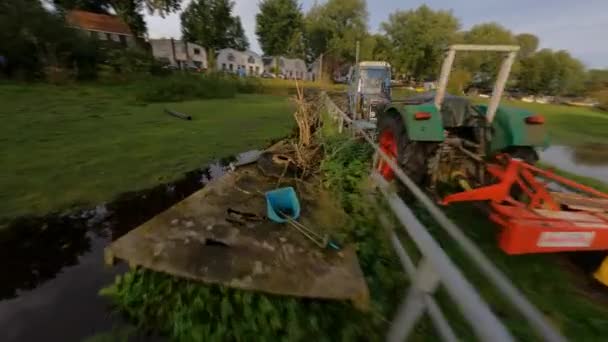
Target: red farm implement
x=536, y=219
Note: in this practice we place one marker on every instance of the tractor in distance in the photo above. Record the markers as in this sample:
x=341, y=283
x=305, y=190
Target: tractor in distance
x=369, y=89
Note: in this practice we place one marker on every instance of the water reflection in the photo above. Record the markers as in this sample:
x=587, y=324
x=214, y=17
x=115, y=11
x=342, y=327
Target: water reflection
x=585, y=160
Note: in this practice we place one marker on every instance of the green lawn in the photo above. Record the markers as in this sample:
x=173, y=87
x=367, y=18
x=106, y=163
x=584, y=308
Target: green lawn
x=570, y=125
x=82, y=145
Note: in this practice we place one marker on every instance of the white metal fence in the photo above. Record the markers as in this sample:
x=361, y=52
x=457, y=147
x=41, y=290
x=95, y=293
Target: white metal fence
x=436, y=268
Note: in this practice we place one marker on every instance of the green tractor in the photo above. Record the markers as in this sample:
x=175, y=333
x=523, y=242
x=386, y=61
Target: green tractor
x=439, y=138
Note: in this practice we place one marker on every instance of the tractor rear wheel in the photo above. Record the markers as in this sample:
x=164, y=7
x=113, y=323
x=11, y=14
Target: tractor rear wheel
x=410, y=155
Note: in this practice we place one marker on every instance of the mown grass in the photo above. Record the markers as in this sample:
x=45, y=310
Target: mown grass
x=80, y=145
x=569, y=125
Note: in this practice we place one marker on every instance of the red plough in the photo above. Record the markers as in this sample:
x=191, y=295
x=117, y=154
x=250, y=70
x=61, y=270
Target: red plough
x=540, y=220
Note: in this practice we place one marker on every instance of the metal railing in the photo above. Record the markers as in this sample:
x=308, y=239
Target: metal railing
x=436, y=268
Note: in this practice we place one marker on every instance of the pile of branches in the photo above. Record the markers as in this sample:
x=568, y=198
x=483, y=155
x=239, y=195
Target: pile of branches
x=307, y=149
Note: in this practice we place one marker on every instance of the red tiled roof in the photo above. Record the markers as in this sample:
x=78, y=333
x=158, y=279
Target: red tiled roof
x=97, y=22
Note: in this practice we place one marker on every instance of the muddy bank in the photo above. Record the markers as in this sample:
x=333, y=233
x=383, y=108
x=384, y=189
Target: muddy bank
x=584, y=160
x=53, y=265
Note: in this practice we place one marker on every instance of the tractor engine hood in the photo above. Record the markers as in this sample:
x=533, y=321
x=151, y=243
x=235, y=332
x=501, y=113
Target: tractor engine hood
x=456, y=111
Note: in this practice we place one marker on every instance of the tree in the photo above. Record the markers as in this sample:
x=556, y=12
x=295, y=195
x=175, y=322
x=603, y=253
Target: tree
x=484, y=66
x=335, y=27
x=210, y=23
x=528, y=44
x=279, y=27
x=418, y=39
x=33, y=39
x=552, y=73
x=597, y=79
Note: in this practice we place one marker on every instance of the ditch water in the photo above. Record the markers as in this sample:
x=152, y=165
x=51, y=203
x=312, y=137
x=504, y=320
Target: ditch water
x=584, y=160
x=53, y=266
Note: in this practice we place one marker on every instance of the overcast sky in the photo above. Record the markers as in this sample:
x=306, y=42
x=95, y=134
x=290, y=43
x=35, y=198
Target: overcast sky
x=580, y=26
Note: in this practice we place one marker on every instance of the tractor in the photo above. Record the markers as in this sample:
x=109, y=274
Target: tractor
x=441, y=141
x=440, y=138
x=369, y=90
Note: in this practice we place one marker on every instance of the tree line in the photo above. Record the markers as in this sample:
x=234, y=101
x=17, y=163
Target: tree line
x=412, y=40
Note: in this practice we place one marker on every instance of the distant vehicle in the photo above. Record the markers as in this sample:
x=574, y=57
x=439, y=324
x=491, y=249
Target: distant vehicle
x=341, y=79
x=268, y=75
x=369, y=89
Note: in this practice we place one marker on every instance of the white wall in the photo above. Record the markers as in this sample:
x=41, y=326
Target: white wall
x=162, y=48
x=291, y=68
x=229, y=60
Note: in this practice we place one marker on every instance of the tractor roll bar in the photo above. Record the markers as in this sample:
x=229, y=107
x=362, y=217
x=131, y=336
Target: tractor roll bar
x=501, y=80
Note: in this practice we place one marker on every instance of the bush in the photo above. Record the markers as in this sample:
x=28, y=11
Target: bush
x=182, y=87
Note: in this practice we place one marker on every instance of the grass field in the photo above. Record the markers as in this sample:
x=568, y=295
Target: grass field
x=82, y=145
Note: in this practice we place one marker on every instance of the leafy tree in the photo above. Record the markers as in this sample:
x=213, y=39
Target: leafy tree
x=552, y=73
x=236, y=35
x=34, y=40
x=279, y=27
x=597, y=79
x=418, y=39
x=335, y=27
x=210, y=23
x=528, y=44
x=485, y=65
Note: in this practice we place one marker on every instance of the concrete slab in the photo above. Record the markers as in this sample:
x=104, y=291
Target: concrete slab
x=205, y=239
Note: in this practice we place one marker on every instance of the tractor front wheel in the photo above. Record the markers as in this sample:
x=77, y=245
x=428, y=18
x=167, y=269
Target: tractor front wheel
x=409, y=155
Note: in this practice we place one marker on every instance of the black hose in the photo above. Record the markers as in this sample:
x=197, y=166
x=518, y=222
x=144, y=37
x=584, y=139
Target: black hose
x=178, y=114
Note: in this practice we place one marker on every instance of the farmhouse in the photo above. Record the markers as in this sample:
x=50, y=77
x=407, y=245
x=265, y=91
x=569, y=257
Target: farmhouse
x=179, y=53
x=290, y=68
x=231, y=60
x=101, y=26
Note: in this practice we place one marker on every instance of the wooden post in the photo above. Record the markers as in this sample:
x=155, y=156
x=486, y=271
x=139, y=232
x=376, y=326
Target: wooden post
x=321, y=68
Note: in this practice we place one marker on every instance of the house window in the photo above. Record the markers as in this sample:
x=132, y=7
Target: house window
x=231, y=58
x=230, y=67
x=257, y=70
x=251, y=60
x=101, y=36
x=123, y=39
x=108, y=36
x=250, y=70
x=223, y=66
x=197, y=51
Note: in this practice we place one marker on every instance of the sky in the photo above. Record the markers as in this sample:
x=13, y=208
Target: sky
x=579, y=26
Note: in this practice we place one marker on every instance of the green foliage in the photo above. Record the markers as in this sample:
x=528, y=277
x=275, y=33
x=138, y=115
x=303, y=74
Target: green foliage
x=528, y=44
x=32, y=39
x=210, y=23
x=182, y=87
x=279, y=27
x=597, y=80
x=334, y=28
x=484, y=66
x=190, y=311
x=418, y=38
x=459, y=80
x=552, y=73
